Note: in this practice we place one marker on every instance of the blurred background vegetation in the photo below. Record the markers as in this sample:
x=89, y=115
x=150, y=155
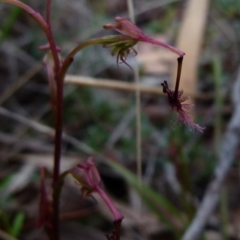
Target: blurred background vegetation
x=177, y=163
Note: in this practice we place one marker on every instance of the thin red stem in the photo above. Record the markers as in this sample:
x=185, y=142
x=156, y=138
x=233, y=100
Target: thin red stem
x=46, y=26
x=58, y=125
x=51, y=40
x=68, y=60
x=57, y=156
x=179, y=69
x=162, y=44
x=117, y=215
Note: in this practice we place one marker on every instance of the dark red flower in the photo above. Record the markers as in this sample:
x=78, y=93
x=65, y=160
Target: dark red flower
x=131, y=35
x=129, y=29
x=89, y=178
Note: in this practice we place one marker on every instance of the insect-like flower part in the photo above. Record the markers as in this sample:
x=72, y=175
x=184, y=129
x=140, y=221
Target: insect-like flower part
x=176, y=100
x=122, y=48
x=88, y=176
x=92, y=177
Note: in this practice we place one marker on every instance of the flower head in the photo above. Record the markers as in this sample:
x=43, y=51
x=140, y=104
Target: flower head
x=88, y=176
x=131, y=34
x=130, y=30
x=176, y=100
x=92, y=177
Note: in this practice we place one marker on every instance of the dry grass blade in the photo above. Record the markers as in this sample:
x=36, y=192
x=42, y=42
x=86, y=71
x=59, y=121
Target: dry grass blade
x=38, y=160
x=190, y=40
x=124, y=86
x=137, y=203
x=25, y=143
x=22, y=80
x=111, y=84
x=20, y=179
x=5, y=236
x=120, y=128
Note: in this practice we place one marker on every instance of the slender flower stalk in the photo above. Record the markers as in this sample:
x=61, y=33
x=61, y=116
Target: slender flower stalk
x=57, y=97
x=120, y=45
x=52, y=44
x=117, y=215
x=178, y=77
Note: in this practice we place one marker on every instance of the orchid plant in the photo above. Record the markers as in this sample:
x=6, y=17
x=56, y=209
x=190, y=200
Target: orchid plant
x=56, y=67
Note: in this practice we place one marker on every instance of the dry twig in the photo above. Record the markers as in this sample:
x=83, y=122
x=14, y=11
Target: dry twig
x=125, y=86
